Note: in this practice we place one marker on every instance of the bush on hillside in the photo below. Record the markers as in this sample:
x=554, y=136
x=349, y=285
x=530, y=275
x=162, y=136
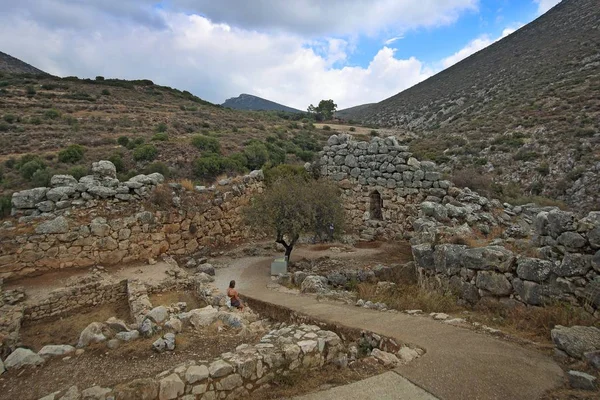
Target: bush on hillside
x=161, y=128
x=78, y=172
x=41, y=177
x=123, y=140
x=159, y=167
x=206, y=143
x=256, y=154
x=5, y=205
x=117, y=160
x=146, y=152
x=10, y=118
x=71, y=154
x=29, y=168
x=160, y=137
x=52, y=114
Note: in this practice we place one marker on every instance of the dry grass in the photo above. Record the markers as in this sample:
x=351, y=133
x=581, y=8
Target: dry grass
x=162, y=197
x=410, y=297
x=479, y=239
x=534, y=323
x=187, y=184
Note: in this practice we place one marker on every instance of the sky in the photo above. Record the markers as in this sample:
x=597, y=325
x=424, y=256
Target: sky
x=292, y=52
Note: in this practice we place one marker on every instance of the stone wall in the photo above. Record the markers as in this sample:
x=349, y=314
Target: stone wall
x=561, y=262
x=381, y=166
x=111, y=230
x=71, y=298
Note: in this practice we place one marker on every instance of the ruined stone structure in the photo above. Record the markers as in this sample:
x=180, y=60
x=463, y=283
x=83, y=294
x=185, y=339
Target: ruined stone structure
x=382, y=184
x=92, y=224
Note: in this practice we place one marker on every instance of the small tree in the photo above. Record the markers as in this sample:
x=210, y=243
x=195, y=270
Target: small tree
x=293, y=206
x=324, y=110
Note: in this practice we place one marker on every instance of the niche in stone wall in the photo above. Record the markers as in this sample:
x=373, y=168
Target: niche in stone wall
x=376, y=206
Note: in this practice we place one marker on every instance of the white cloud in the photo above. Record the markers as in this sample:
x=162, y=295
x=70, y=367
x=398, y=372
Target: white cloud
x=214, y=61
x=545, y=5
x=392, y=40
x=473, y=47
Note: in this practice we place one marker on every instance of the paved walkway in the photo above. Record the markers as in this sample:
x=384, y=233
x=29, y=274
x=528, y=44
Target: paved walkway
x=459, y=363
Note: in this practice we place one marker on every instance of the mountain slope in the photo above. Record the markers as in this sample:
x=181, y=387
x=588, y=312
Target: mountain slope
x=526, y=108
x=347, y=113
x=255, y=103
x=11, y=65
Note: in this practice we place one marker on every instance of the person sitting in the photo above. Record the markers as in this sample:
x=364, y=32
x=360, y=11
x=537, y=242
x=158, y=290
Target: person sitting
x=234, y=296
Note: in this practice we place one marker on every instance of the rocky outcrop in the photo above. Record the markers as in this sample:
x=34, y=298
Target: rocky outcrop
x=576, y=340
x=21, y=358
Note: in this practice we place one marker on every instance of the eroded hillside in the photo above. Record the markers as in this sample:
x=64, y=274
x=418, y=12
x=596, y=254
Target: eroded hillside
x=524, y=112
x=50, y=125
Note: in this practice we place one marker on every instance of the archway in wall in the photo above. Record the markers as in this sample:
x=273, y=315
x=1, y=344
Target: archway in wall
x=376, y=206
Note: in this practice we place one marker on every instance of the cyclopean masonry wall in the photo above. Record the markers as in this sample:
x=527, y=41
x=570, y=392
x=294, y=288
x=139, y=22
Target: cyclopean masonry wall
x=100, y=220
x=382, y=184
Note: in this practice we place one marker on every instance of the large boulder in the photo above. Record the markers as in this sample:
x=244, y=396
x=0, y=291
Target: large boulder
x=93, y=333
x=63, y=180
x=583, y=381
x=313, y=284
x=423, y=255
x=60, y=193
x=337, y=279
x=57, y=225
x=571, y=240
x=171, y=387
x=22, y=357
x=28, y=198
x=494, y=283
x=488, y=258
x=158, y=314
x=464, y=290
x=103, y=169
x=560, y=221
x=55, y=350
x=447, y=258
x=203, y=317
x=574, y=264
x=534, y=269
x=576, y=340
x=530, y=292
x=435, y=210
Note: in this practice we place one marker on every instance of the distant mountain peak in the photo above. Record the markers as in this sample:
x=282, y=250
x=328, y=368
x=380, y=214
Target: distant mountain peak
x=12, y=65
x=250, y=102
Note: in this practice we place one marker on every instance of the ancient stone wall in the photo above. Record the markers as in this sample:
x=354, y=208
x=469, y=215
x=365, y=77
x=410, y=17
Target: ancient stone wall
x=382, y=184
x=107, y=231
x=560, y=262
x=68, y=299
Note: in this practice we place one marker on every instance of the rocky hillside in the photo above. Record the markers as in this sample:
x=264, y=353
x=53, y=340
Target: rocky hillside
x=11, y=65
x=525, y=111
x=349, y=113
x=254, y=103
x=51, y=125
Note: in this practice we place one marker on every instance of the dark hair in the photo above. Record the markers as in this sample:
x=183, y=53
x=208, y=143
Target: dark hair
x=232, y=284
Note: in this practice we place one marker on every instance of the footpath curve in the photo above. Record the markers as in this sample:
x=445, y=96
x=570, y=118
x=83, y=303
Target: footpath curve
x=459, y=363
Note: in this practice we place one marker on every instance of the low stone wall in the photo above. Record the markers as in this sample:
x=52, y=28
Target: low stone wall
x=113, y=231
x=380, y=171
x=69, y=299
x=236, y=374
x=566, y=267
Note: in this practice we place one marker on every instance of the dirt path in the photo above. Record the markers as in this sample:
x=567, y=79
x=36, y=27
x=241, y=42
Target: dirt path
x=459, y=363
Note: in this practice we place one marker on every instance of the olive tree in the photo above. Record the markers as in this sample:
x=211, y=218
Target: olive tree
x=296, y=205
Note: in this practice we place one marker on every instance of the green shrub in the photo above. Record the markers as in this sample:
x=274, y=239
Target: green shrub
x=31, y=91
x=146, y=152
x=161, y=137
x=326, y=128
x=138, y=141
x=273, y=174
x=10, y=163
x=162, y=127
x=118, y=161
x=374, y=133
x=52, y=114
x=71, y=154
x=5, y=205
x=78, y=172
x=523, y=155
x=206, y=143
x=4, y=127
x=123, y=140
x=35, y=121
x=305, y=155
x=208, y=167
x=10, y=118
x=29, y=168
x=159, y=167
x=352, y=129
x=41, y=177
x=256, y=154
x=543, y=168
x=99, y=78
x=105, y=92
